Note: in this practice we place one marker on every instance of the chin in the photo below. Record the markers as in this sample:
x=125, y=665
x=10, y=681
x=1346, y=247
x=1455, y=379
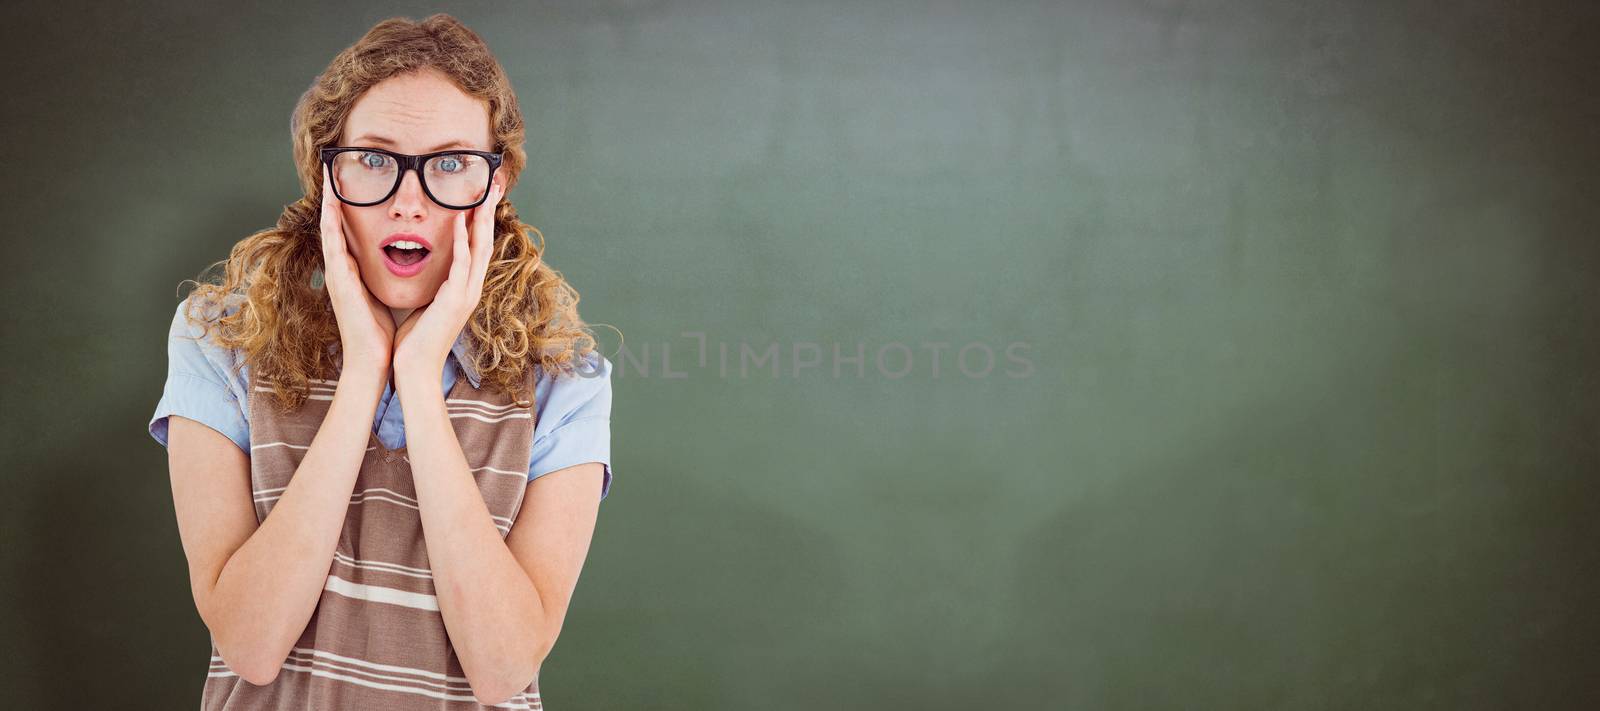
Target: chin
x=409, y=296
x=408, y=293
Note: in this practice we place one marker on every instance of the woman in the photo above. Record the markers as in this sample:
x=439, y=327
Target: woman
x=427, y=529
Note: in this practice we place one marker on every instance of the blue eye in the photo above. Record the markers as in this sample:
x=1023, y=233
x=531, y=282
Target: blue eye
x=450, y=165
x=374, y=160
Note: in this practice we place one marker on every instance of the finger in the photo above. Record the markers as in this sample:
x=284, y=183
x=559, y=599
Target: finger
x=483, y=241
x=330, y=232
x=327, y=212
x=337, y=260
x=461, y=254
x=483, y=214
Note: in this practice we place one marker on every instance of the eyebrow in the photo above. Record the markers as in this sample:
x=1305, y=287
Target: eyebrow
x=458, y=143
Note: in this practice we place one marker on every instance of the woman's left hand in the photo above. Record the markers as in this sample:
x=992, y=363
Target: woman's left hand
x=424, y=339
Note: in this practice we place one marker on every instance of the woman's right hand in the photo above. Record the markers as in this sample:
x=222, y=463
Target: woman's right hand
x=366, y=327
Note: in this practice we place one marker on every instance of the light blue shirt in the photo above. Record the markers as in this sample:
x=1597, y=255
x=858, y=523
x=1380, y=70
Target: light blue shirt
x=573, y=424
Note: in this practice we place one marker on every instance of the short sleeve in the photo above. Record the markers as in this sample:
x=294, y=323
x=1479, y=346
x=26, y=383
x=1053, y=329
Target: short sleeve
x=574, y=420
x=200, y=385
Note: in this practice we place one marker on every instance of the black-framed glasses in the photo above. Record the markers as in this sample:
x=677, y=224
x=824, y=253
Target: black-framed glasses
x=457, y=179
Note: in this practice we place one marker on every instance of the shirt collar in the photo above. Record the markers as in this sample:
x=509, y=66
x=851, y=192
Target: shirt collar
x=462, y=350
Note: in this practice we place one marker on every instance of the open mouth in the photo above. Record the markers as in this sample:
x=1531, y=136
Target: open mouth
x=407, y=260
x=405, y=257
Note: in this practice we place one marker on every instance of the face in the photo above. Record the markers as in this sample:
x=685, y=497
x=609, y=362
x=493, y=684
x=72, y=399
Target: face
x=414, y=114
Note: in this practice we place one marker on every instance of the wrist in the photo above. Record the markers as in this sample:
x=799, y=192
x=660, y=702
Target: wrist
x=413, y=373
x=362, y=366
x=365, y=384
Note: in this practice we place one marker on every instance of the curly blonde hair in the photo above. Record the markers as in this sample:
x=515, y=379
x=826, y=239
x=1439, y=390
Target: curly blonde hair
x=285, y=327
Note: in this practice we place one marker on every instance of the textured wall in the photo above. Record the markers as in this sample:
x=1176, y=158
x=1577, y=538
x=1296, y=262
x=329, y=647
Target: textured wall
x=1291, y=306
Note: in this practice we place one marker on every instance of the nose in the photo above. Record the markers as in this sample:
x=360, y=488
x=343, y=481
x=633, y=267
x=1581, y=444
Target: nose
x=409, y=201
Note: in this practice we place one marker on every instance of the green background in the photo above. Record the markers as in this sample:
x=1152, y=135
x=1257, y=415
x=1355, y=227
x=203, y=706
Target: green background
x=1307, y=292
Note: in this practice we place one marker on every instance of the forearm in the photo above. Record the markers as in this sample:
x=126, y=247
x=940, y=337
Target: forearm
x=270, y=587
x=491, y=608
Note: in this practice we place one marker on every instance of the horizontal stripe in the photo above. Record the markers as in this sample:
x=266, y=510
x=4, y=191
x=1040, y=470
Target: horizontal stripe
x=327, y=398
x=393, y=634
x=265, y=445
x=376, y=492
x=378, y=593
x=482, y=404
x=392, y=672
x=311, y=657
x=311, y=384
x=389, y=496
x=480, y=410
x=507, y=472
x=319, y=393
x=384, y=496
x=501, y=418
x=395, y=568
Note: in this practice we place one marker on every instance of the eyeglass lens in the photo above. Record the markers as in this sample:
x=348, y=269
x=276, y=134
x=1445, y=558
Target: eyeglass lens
x=455, y=179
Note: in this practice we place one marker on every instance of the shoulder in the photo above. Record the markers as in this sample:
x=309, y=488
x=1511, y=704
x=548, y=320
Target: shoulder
x=203, y=314
x=191, y=341
x=203, y=383
x=573, y=425
x=584, y=391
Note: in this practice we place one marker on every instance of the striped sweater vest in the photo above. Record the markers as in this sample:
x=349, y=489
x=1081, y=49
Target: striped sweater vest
x=377, y=639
